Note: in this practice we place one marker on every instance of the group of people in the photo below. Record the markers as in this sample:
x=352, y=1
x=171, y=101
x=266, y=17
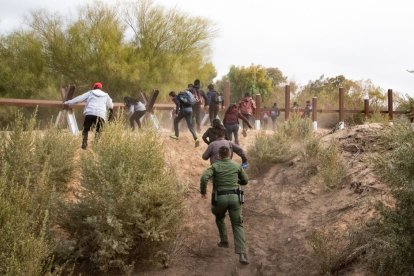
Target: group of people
x=226, y=175
x=189, y=105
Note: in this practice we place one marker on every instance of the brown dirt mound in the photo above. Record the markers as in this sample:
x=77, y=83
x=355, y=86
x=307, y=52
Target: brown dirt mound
x=283, y=207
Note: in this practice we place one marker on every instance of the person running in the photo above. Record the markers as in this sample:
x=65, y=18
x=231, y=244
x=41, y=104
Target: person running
x=183, y=110
x=136, y=109
x=201, y=99
x=231, y=122
x=214, y=101
x=212, y=151
x=227, y=196
x=274, y=113
x=98, y=103
x=247, y=108
x=213, y=132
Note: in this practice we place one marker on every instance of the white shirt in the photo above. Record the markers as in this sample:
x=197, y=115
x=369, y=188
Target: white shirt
x=97, y=102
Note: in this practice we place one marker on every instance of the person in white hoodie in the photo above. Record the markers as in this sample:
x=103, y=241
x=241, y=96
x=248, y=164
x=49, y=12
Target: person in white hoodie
x=96, y=109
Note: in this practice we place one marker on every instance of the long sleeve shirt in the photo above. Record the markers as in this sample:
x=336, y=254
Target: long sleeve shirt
x=212, y=150
x=226, y=175
x=97, y=103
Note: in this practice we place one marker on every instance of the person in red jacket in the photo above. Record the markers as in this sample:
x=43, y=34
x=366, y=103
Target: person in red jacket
x=247, y=108
x=231, y=122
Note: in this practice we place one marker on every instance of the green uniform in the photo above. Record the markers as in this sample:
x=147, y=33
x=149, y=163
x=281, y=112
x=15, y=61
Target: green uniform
x=227, y=176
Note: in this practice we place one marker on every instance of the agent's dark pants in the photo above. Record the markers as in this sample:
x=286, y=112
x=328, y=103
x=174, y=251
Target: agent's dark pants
x=89, y=121
x=197, y=116
x=230, y=203
x=135, y=118
x=188, y=115
x=213, y=112
x=233, y=129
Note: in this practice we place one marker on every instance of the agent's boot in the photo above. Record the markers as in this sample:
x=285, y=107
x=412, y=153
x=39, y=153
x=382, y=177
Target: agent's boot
x=84, y=141
x=223, y=244
x=243, y=258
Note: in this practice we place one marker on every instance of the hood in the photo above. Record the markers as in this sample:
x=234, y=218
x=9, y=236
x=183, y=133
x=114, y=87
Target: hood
x=98, y=93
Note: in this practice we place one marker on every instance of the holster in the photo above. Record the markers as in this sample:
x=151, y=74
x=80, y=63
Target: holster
x=214, y=198
x=241, y=196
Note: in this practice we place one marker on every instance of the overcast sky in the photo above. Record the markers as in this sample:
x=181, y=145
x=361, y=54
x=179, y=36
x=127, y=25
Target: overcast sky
x=360, y=39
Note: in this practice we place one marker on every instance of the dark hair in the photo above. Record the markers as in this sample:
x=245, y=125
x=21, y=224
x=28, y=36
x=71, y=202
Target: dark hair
x=190, y=85
x=197, y=84
x=172, y=94
x=224, y=152
x=129, y=101
x=247, y=94
x=216, y=123
x=210, y=86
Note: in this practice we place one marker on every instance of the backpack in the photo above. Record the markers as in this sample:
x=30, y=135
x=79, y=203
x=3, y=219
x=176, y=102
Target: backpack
x=274, y=112
x=198, y=98
x=215, y=98
x=186, y=98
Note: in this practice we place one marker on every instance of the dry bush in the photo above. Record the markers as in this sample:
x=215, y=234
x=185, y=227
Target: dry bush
x=310, y=154
x=28, y=196
x=331, y=168
x=131, y=202
x=394, y=232
x=269, y=149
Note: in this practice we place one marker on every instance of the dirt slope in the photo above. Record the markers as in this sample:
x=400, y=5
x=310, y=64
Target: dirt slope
x=282, y=208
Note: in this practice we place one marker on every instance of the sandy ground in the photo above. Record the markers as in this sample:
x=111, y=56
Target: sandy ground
x=283, y=207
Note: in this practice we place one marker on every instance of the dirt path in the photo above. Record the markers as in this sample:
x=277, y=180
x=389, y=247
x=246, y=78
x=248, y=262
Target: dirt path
x=282, y=209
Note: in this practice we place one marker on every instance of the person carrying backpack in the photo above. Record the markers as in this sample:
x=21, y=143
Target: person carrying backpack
x=247, y=108
x=98, y=103
x=201, y=99
x=214, y=102
x=184, y=103
x=274, y=113
x=231, y=122
x=135, y=110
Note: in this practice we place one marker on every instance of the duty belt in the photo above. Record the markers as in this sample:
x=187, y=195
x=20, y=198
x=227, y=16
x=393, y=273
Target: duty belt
x=228, y=192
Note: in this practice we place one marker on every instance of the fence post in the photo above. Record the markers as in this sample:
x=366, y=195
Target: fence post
x=287, y=102
x=314, y=113
x=258, y=111
x=226, y=94
x=390, y=106
x=341, y=108
x=366, y=109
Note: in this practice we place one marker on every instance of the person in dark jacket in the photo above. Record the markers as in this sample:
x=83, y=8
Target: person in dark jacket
x=214, y=102
x=183, y=111
x=231, y=122
x=227, y=176
x=213, y=132
x=135, y=110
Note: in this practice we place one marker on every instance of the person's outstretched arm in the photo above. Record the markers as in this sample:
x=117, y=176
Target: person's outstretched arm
x=239, y=151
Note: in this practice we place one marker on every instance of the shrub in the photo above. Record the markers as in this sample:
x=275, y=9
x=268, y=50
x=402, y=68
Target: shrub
x=310, y=155
x=267, y=149
x=331, y=169
x=130, y=202
x=394, y=233
x=32, y=164
x=298, y=128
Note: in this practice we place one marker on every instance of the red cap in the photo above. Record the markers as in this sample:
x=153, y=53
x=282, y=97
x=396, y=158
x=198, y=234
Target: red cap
x=97, y=85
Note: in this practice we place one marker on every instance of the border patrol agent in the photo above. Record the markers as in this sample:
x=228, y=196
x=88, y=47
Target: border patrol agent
x=227, y=196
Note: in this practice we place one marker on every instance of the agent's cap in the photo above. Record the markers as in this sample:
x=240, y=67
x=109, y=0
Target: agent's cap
x=97, y=85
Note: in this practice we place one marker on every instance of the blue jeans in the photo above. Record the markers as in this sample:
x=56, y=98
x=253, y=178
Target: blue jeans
x=186, y=113
x=233, y=129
